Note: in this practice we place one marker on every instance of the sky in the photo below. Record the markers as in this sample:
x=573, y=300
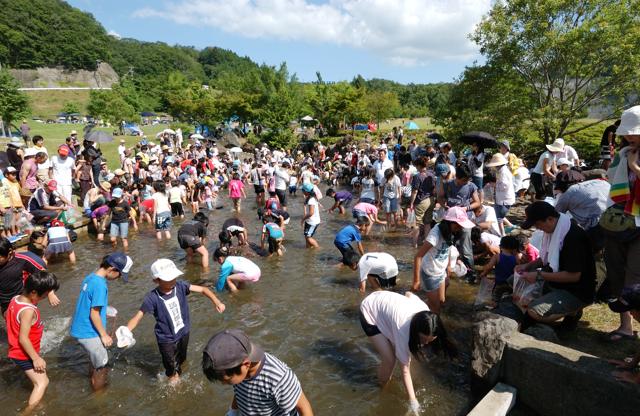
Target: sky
x=419, y=41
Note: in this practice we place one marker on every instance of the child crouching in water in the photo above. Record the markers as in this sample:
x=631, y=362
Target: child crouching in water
x=272, y=233
x=24, y=331
x=235, y=271
x=59, y=242
x=504, y=263
x=168, y=304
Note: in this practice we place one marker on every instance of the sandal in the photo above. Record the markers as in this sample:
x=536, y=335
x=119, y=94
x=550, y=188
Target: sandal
x=620, y=336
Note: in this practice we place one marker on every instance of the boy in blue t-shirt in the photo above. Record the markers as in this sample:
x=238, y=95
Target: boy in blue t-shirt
x=342, y=200
x=347, y=235
x=89, y=324
x=504, y=263
x=168, y=304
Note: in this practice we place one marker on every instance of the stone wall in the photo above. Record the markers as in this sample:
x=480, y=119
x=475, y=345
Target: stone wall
x=103, y=77
x=550, y=379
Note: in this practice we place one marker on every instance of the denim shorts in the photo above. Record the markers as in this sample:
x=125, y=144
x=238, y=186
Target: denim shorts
x=431, y=283
x=119, y=230
x=501, y=211
x=390, y=205
x=163, y=221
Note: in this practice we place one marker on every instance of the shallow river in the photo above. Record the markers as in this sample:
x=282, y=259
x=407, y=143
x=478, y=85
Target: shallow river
x=303, y=310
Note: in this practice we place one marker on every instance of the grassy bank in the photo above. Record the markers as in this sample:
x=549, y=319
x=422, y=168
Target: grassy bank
x=47, y=104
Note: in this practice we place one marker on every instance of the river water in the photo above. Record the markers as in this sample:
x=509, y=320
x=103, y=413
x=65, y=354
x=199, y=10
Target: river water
x=304, y=310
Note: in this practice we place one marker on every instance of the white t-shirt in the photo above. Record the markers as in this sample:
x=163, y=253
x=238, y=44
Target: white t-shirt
x=306, y=176
x=488, y=215
x=476, y=167
x=367, y=188
x=491, y=239
x=243, y=265
x=315, y=218
x=380, y=264
x=381, y=167
x=505, y=194
x=62, y=170
x=539, y=169
x=176, y=193
x=162, y=202
x=434, y=263
x=282, y=179
x=391, y=187
x=392, y=313
x=568, y=152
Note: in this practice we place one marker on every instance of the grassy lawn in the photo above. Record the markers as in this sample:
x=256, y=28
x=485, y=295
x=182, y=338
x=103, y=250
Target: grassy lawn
x=423, y=122
x=55, y=134
x=47, y=104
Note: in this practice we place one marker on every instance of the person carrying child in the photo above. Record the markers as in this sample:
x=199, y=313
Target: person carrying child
x=90, y=318
x=273, y=234
x=235, y=271
x=168, y=304
x=59, y=242
x=25, y=329
x=342, y=200
x=504, y=263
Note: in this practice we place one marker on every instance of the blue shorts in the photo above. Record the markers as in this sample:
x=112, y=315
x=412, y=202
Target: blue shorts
x=119, y=230
x=358, y=214
x=501, y=211
x=478, y=181
x=163, y=221
x=24, y=365
x=431, y=283
x=310, y=230
x=390, y=205
x=368, y=201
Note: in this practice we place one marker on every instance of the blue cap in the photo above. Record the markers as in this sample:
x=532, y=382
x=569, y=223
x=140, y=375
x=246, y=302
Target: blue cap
x=122, y=262
x=307, y=187
x=441, y=168
x=117, y=193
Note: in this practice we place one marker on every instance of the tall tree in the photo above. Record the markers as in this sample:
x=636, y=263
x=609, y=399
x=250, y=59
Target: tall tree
x=570, y=54
x=382, y=105
x=13, y=102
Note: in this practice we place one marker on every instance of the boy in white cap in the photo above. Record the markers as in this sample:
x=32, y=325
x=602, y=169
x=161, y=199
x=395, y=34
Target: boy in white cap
x=262, y=384
x=168, y=304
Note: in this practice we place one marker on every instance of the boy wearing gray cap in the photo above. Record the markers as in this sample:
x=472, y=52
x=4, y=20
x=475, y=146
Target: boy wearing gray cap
x=262, y=384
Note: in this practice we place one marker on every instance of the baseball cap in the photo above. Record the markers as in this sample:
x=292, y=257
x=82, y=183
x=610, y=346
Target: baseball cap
x=63, y=150
x=538, y=211
x=229, y=348
x=52, y=185
x=10, y=169
x=307, y=187
x=122, y=262
x=459, y=216
x=117, y=193
x=165, y=270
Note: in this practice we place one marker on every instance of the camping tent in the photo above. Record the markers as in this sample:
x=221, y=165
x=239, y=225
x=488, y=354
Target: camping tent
x=307, y=118
x=411, y=125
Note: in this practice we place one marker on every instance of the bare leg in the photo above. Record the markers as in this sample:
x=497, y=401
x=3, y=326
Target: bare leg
x=40, y=382
x=205, y=256
x=99, y=378
x=373, y=282
x=435, y=298
x=72, y=257
x=385, y=351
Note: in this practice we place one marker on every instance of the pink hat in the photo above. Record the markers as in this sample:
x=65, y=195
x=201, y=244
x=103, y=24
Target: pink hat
x=459, y=216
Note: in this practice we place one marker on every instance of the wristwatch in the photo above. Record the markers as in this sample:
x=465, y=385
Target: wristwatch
x=539, y=277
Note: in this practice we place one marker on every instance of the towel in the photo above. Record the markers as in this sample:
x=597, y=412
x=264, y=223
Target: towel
x=552, y=243
x=623, y=191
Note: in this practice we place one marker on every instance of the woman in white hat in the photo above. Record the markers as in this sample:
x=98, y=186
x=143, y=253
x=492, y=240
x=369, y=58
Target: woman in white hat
x=505, y=194
x=622, y=255
x=545, y=170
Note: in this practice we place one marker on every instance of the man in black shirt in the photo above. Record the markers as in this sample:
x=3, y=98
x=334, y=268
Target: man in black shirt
x=192, y=235
x=608, y=143
x=570, y=276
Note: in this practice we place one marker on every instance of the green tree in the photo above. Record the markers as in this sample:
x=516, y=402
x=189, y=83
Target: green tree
x=382, y=105
x=13, y=102
x=571, y=55
x=70, y=107
x=113, y=105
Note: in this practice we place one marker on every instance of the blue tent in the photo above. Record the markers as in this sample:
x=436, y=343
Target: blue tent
x=411, y=125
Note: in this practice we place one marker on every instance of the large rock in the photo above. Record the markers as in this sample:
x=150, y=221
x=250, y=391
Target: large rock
x=489, y=334
x=542, y=332
x=103, y=77
x=229, y=139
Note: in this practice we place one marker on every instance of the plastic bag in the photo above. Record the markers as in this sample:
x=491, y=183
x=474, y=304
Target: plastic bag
x=411, y=217
x=524, y=292
x=484, y=295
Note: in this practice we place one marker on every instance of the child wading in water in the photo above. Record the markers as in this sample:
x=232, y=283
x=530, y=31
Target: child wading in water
x=311, y=218
x=236, y=191
x=168, y=304
x=24, y=331
x=235, y=271
x=272, y=233
x=161, y=210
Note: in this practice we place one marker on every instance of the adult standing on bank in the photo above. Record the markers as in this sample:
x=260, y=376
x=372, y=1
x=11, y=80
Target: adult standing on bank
x=62, y=167
x=24, y=132
x=622, y=249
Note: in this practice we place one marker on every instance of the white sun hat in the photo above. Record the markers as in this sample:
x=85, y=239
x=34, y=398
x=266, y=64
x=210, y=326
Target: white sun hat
x=556, y=146
x=629, y=122
x=497, y=159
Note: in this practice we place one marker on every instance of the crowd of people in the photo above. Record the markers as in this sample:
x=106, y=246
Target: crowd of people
x=453, y=207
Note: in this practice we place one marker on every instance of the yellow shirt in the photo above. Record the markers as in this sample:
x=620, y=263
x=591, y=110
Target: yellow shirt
x=14, y=193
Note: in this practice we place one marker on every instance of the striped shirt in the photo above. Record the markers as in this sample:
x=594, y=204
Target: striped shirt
x=274, y=390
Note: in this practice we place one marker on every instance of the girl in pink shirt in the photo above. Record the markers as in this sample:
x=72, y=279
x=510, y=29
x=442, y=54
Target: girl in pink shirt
x=368, y=211
x=236, y=191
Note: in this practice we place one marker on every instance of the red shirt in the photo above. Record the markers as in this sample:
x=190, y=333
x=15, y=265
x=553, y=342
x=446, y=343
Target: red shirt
x=13, y=329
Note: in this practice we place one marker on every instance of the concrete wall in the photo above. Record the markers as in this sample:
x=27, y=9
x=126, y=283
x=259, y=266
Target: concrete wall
x=550, y=379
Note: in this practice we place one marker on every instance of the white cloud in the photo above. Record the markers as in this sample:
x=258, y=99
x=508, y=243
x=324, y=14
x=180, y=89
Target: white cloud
x=114, y=34
x=405, y=32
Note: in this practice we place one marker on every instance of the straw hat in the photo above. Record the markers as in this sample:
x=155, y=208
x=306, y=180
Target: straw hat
x=105, y=186
x=556, y=146
x=497, y=159
x=629, y=122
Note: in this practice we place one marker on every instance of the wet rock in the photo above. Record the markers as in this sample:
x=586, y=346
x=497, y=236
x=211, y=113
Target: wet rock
x=489, y=334
x=542, y=332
